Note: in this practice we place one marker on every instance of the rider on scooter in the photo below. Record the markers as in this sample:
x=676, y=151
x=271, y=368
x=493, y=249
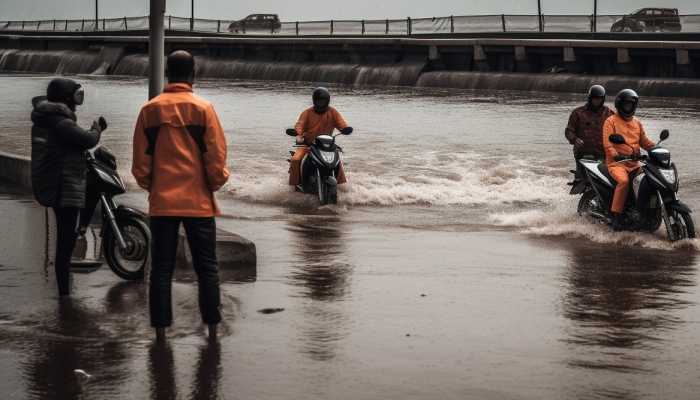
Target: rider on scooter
x=585, y=127
x=623, y=123
x=320, y=119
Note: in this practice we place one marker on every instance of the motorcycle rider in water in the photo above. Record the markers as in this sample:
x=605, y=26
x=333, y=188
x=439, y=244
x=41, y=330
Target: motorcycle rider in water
x=585, y=128
x=320, y=119
x=623, y=123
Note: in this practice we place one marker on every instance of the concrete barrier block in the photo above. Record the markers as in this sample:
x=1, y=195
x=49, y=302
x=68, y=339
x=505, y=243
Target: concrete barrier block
x=623, y=56
x=433, y=53
x=479, y=53
x=569, y=55
x=481, y=63
x=232, y=251
x=522, y=64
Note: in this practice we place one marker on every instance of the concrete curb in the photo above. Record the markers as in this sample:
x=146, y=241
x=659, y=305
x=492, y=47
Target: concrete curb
x=16, y=169
x=233, y=251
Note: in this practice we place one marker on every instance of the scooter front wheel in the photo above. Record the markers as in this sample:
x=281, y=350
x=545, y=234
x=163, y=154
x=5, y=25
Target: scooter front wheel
x=682, y=225
x=332, y=194
x=129, y=263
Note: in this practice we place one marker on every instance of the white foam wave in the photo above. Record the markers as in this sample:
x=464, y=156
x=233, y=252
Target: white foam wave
x=562, y=220
x=463, y=180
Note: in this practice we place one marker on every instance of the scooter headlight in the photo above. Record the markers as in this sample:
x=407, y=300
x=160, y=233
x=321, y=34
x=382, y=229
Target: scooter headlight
x=328, y=156
x=669, y=175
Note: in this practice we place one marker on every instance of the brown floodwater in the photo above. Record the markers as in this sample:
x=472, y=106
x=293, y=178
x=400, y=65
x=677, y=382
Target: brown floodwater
x=453, y=267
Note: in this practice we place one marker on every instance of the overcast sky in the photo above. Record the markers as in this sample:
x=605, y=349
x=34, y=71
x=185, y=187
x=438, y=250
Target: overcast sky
x=290, y=10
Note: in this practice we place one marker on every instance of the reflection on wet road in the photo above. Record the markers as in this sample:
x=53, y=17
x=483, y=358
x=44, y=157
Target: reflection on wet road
x=471, y=315
x=321, y=273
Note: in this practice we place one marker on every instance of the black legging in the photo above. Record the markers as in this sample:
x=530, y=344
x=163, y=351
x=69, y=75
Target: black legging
x=68, y=220
x=66, y=233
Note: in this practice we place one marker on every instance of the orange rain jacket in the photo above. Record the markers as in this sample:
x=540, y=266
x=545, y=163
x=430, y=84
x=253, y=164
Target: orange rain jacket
x=179, y=153
x=635, y=137
x=310, y=125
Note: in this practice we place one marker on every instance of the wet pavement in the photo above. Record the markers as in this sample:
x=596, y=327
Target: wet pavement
x=484, y=315
x=454, y=266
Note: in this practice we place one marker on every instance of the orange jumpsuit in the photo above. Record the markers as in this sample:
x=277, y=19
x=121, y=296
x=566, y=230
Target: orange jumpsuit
x=179, y=154
x=310, y=125
x=635, y=137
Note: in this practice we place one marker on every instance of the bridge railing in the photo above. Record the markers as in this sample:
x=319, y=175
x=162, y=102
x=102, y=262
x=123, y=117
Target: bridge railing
x=393, y=27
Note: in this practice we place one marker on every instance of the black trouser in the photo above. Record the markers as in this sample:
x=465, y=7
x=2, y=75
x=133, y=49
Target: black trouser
x=201, y=236
x=66, y=233
x=67, y=221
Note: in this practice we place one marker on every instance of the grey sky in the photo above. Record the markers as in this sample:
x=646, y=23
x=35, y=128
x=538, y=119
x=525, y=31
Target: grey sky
x=291, y=10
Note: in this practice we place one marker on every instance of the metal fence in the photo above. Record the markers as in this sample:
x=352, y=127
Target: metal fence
x=392, y=27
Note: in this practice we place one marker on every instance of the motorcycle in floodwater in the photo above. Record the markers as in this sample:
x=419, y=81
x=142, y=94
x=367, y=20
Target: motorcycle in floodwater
x=319, y=167
x=652, y=199
x=126, y=236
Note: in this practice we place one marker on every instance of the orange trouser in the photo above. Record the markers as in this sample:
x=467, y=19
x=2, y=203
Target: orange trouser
x=295, y=167
x=621, y=173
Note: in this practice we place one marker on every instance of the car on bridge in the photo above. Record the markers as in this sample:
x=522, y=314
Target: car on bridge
x=649, y=20
x=257, y=22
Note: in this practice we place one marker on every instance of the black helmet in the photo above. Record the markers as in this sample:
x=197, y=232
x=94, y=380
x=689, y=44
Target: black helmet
x=626, y=103
x=66, y=91
x=321, y=98
x=595, y=91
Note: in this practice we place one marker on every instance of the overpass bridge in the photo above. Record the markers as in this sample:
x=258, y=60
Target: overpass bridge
x=628, y=56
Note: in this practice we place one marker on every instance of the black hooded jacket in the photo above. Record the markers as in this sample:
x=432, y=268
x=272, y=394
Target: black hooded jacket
x=59, y=163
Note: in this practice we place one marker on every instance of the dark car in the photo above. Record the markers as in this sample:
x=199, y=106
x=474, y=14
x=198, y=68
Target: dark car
x=649, y=20
x=256, y=22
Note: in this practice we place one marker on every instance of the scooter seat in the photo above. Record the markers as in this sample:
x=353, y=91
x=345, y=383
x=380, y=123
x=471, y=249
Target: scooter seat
x=603, y=168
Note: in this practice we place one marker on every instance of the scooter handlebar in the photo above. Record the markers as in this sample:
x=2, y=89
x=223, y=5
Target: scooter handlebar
x=631, y=158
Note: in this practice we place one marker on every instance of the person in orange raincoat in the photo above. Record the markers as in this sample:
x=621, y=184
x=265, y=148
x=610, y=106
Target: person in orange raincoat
x=320, y=119
x=623, y=123
x=180, y=159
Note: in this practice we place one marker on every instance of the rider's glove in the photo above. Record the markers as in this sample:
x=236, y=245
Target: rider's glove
x=103, y=122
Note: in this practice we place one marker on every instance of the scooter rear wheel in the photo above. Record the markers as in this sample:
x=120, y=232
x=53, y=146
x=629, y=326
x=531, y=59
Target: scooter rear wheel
x=129, y=264
x=587, y=205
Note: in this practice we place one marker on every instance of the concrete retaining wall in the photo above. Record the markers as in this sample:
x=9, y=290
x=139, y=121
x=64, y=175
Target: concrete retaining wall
x=16, y=169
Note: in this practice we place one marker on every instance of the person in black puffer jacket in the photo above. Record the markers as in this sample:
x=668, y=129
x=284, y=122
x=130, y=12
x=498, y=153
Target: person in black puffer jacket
x=59, y=165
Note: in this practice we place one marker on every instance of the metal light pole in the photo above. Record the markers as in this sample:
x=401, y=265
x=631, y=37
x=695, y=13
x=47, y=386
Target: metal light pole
x=97, y=15
x=156, y=48
x=539, y=15
x=192, y=15
x=595, y=16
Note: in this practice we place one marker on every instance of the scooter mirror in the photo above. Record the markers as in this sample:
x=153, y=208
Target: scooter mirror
x=291, y=132
x=616, y=139
x=664, y=135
